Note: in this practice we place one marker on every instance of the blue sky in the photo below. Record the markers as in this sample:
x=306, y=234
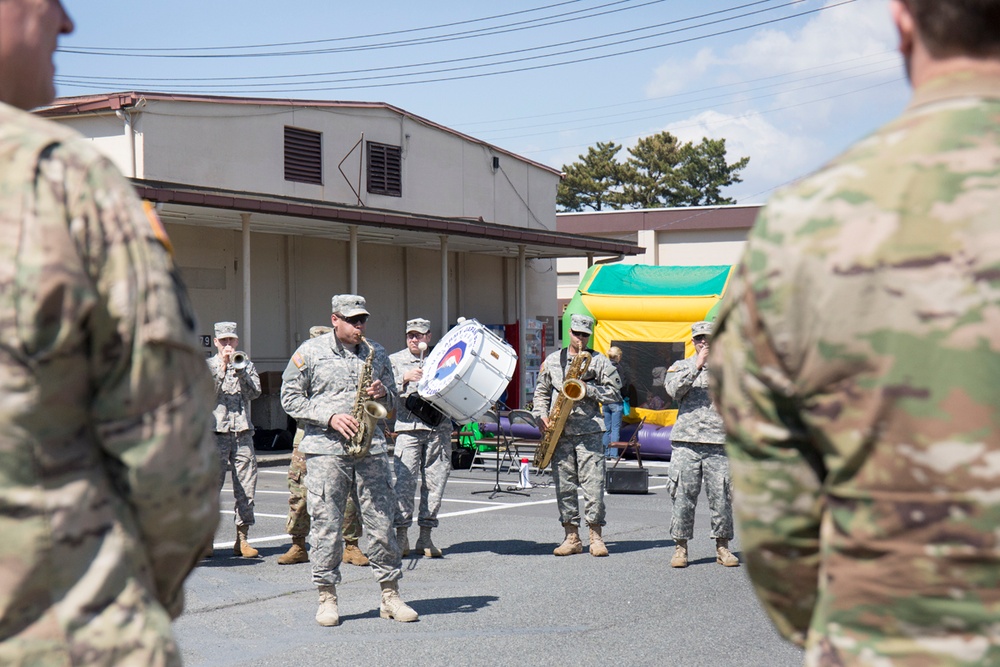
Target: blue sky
x=790, y=83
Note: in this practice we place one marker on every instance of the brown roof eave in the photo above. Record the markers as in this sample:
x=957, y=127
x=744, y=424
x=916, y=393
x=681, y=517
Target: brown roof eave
x=250, y=203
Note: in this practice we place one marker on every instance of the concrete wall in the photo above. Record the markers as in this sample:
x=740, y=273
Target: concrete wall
x=667, y=248
x=241, y=147
x=292, y=280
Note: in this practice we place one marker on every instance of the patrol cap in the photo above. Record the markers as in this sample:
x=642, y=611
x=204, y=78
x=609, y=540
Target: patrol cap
x=317, y=331
x=418, y=324
x=349, y=305
x=581, y=323
x=225, y=330
x=701, y=329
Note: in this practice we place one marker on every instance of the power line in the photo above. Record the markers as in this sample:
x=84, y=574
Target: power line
x=282, y=87
x=100, y=50
x=749, y=114
x=564, y=125
x=466, y=126
x=421, y=41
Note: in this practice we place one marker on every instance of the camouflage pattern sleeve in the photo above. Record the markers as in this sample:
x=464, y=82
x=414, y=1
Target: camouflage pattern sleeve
x=606, y=385
x=387, y=377
x=153, y=395
x=680, y=378
x=249, y=382
x=855, y=364
x=777, y=485
x=542, y=399
x=296, y=389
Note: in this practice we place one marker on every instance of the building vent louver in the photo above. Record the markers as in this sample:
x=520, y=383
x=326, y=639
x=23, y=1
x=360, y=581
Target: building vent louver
x=385, y=170
x=303, y=155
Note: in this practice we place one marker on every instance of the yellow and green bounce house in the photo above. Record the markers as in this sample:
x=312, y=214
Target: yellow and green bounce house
x=647, y=312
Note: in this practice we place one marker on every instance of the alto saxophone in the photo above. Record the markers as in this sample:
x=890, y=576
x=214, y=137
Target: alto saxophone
x=573, y=390
x=365, y=410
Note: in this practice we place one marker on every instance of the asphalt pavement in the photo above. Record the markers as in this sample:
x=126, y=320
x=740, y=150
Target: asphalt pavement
x=498, y=597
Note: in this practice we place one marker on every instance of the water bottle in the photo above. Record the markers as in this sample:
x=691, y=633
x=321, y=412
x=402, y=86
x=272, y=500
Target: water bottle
x=525, y=469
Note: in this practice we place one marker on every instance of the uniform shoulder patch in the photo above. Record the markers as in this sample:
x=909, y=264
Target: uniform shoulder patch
x=158, y=230
x=298, y=361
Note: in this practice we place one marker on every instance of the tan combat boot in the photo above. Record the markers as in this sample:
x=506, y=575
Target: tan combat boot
x=393, y=606
x=723, y=556
x=597, y=546
x=425, y=545
x=327, y=615
x=680, y=558
x=296, y=553
x=403, y=541
x=353, y=555
x=242, y=547
x=571, y=543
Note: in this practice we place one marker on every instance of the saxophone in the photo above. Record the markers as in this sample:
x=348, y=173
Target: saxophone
x=365, y=410
x=573, y=390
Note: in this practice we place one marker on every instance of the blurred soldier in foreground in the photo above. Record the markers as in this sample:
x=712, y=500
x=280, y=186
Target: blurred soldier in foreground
x=297, y=523
x=423, y=449
x=236, y=384
x=325, y=388
x=107, y=471
x=578, y=461
x=698, y=455
x=857, y=359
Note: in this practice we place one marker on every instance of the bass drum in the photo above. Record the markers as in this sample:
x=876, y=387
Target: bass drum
x=467, y=371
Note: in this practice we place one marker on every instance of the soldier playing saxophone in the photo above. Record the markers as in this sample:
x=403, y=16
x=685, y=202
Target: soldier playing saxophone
x=578, y=460
x=320, y=390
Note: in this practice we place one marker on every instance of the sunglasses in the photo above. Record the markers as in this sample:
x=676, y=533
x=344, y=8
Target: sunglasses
x=580, y=334
x=701, y=339
x=356, y=320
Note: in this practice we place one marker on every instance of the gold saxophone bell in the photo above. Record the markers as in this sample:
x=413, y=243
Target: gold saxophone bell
x=239, y=360
x=574, y=390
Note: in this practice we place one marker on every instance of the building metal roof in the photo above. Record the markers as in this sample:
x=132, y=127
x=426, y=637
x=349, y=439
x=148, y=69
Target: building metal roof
x=103, y=102
x=214, y=207
x=681, y=218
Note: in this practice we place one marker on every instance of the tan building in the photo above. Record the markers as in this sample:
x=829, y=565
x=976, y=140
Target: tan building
x=685, y=236
x=275, y=205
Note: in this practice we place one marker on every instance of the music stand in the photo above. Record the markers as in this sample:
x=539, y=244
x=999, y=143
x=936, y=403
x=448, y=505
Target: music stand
x=501, y=437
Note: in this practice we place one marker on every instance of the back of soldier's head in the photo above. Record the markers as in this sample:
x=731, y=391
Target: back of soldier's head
x=952, y=28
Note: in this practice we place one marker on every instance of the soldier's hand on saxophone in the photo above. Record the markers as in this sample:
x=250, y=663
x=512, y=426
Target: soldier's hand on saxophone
x=337, y=387
x=573, y=431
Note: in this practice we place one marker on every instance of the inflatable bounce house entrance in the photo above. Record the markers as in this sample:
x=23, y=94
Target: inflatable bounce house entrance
x=647, y=311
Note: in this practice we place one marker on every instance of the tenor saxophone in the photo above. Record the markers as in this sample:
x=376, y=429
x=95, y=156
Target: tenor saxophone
x=573, y=390
x=365, y=410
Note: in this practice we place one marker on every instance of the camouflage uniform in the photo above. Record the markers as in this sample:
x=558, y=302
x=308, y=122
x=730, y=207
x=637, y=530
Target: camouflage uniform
x=420, y=452
x=234, y=432
x=578, y=460
x=321, y=380
x=698, y=455
x=107, y=473
x=297, y=524
x=857, y=363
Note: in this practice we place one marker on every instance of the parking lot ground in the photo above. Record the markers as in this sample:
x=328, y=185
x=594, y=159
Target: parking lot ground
x=498, y=597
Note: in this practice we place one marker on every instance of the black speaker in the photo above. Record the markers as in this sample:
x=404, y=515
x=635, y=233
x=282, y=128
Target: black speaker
x=627, y=480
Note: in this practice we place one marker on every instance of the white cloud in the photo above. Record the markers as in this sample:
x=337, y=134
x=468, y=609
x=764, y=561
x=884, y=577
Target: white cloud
x=790, y=123
x=776, y=156
x=674, y=76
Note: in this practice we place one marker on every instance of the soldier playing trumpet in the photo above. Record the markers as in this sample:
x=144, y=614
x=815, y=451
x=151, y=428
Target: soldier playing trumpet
x=236, y=384
x=578, y=460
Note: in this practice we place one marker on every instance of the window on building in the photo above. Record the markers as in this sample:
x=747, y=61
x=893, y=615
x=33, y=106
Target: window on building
x=303, y=155
x=385, y=169
x=570, y=279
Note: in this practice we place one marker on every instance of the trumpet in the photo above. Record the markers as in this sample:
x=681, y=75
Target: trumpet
x=239, y=360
